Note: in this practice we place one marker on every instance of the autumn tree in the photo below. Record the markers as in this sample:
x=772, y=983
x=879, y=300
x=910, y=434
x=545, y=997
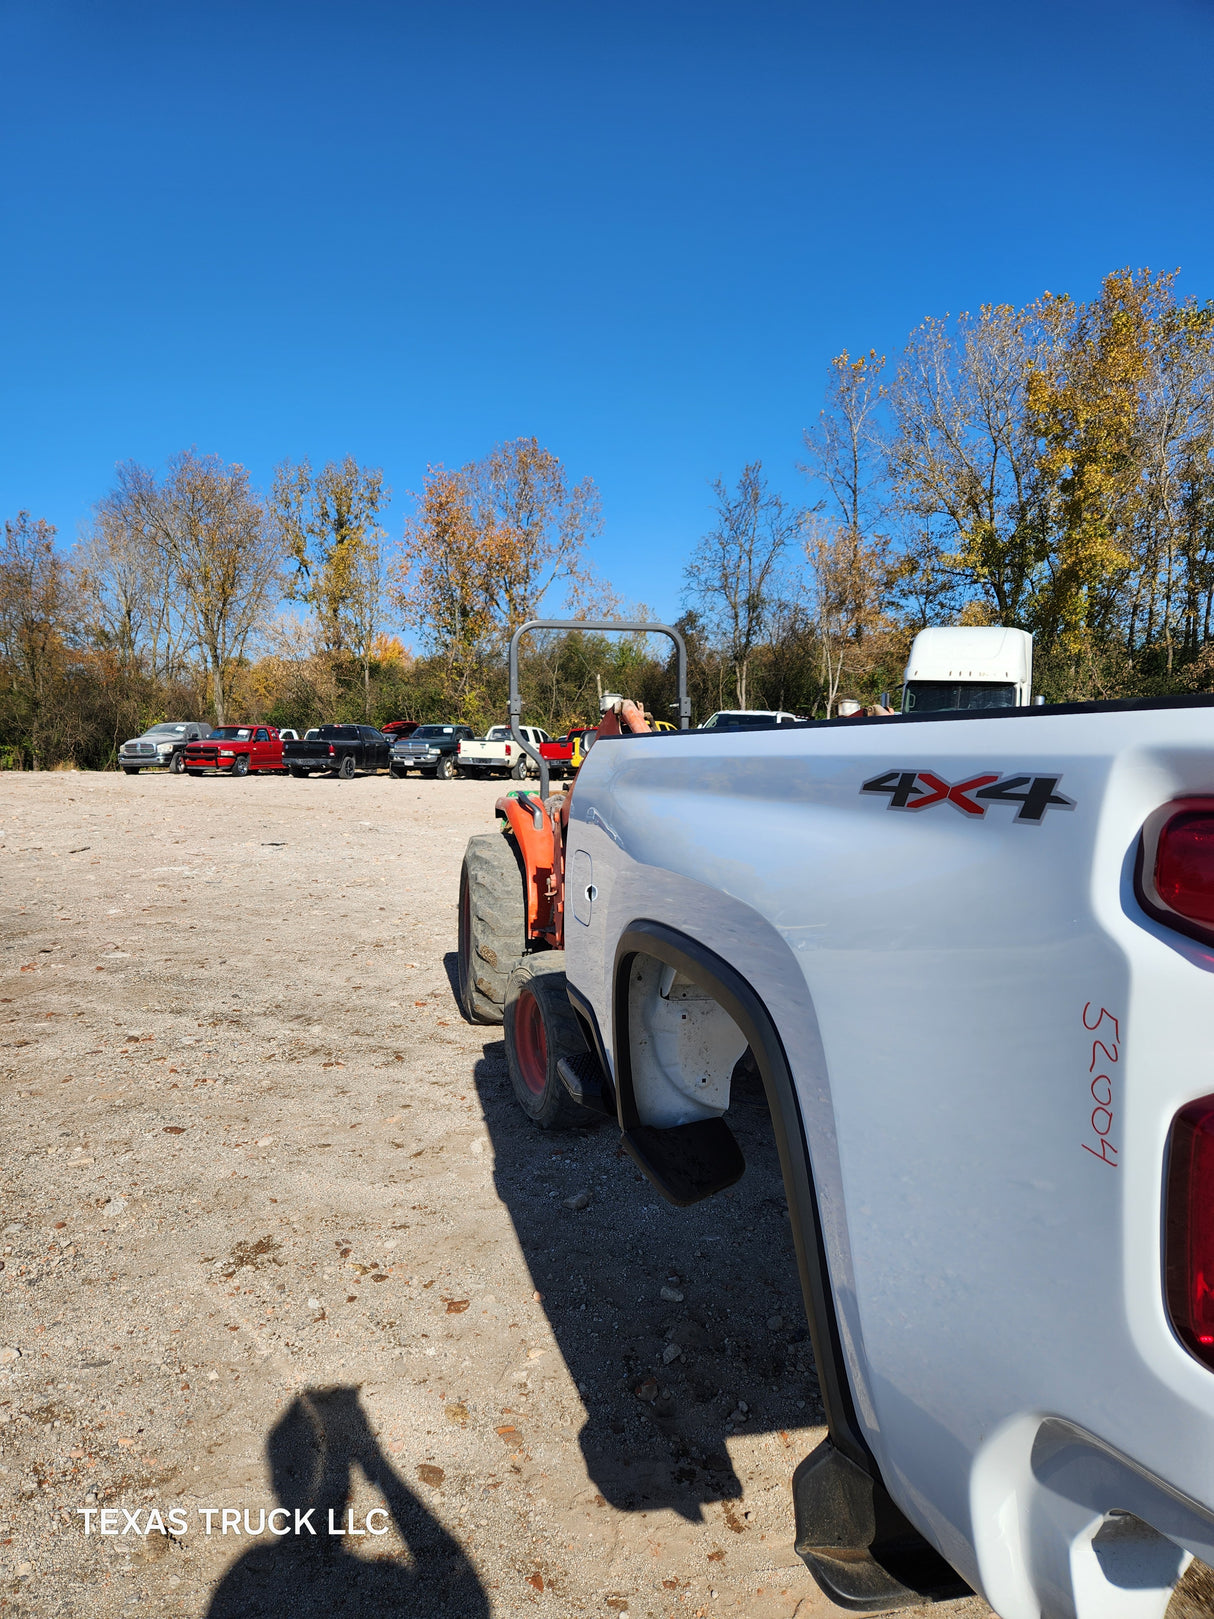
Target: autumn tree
x=846, y=452
x=328, y=523
x=125, y=583
x=732, y=578
x=222, y=554
x=36, y=613
x=484, y=547
x=964, y=462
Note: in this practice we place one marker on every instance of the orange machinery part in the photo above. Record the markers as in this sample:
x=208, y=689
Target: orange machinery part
x=540, y=836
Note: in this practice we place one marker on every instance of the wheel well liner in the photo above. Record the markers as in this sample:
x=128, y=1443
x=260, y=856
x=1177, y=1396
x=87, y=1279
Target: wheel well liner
x=839, y=1495
x=731, y=991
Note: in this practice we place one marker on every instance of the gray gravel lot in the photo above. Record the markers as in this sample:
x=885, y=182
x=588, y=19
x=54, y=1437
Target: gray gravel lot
x=276, y=1235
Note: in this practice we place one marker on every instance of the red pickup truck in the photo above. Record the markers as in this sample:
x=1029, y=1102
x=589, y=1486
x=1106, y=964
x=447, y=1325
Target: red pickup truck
x=565, y=755
x=236, y=749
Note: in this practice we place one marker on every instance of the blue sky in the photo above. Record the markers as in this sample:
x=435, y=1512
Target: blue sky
x=638, y=231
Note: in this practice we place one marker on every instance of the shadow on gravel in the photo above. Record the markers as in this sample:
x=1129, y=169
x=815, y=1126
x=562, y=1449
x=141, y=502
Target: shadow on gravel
x=663, y=1379
x=312, y=1451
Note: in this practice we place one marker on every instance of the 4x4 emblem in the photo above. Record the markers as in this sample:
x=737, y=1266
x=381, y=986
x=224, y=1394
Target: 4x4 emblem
x=919, y=789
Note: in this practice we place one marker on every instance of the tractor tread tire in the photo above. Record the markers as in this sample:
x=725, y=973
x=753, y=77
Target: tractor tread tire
x=542, y=976
x=492, y=924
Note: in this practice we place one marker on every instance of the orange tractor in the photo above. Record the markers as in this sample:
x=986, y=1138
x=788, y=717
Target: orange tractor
x=512, y=916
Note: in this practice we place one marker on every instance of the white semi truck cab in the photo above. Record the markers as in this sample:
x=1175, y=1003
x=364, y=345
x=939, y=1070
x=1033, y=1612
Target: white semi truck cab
x=968, y=667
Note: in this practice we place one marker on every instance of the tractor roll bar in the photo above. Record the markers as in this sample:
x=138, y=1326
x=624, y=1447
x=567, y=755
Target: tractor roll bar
x=620, y=626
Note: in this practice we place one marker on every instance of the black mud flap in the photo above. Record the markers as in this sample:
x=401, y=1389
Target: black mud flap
x=688, y=1162
x=583, y=1078
x=856, y=1543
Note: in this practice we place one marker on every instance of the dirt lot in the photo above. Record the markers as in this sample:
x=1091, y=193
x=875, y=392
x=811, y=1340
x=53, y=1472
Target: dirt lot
x=276, y=1235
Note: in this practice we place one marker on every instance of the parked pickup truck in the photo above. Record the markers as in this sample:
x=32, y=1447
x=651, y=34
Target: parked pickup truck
x=566, y=754
x=338, y=750
x=161, y=747
x=494, y=754
x=431, y=750
x=970, y=954
x=237, y=749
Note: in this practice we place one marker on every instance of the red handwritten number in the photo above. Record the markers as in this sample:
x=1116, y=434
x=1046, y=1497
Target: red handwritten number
x=1102, y=1114
x=1092, y=1027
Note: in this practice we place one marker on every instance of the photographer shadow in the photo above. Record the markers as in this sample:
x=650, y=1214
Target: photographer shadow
x=312, y=1451
x=670, y=1320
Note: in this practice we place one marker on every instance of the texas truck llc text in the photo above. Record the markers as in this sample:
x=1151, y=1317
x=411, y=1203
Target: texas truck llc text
x=227, y=1521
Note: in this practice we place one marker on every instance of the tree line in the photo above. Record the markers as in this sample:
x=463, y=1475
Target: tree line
x=1048, y=467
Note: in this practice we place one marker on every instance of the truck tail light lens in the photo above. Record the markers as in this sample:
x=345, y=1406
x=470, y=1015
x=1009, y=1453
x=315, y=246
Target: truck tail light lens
x=1174, y=874
x=507, y=750
x=1184, y=864
x=1189, y=1229
x=332, y=749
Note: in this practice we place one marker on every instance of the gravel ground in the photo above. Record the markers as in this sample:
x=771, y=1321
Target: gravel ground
x=275, y=1235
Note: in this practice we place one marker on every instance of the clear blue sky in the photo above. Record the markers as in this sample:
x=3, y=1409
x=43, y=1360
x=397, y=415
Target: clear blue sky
x=275, y=228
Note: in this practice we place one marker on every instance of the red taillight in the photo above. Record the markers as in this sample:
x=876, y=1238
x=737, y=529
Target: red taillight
x=332, y=749
x=1174, y=873
x=507, y=750
x=1189, y=1229
x=1184, y=864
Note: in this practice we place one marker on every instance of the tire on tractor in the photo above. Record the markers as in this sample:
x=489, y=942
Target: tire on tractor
x=541, y=1028
x=492, y=924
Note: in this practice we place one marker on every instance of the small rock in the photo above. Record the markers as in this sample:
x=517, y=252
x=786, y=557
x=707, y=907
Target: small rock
x=671, y=1352
x=115, y=1206
x=579, y=1200
x=736, y=1416
x=742, y=1406
x=313, y=1304
x=7, y=1356
x=672, y=1295
x=774, y=1323
x=24, y=1570
x=212, y=1377
x=266, y=1141
x=647, y=1389
x=478, y=1146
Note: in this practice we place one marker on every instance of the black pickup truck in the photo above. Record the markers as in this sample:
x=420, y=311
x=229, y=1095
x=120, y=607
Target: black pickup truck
x=339, y=750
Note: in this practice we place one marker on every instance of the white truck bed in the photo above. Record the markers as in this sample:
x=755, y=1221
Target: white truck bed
x=938, y=917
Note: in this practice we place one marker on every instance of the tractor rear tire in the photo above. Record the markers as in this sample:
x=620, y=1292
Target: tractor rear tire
x=541, y=1028
x=492, y=924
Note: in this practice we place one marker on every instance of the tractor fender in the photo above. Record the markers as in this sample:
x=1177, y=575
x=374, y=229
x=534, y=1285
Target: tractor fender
x=527, y=817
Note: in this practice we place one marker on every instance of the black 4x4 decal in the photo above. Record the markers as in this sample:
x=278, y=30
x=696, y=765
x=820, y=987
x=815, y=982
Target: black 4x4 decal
x=918, y=789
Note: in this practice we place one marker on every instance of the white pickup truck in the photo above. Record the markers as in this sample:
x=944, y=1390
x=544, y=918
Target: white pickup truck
x=495, y=754
x=972, y=954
